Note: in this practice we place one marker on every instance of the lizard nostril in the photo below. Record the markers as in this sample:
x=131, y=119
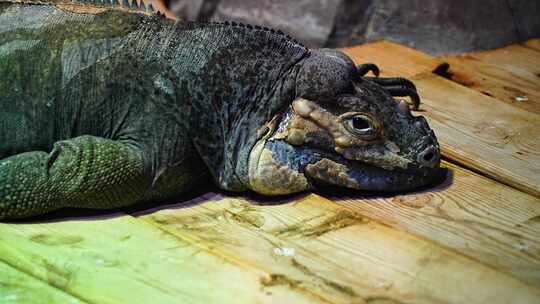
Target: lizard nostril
x=429, y=157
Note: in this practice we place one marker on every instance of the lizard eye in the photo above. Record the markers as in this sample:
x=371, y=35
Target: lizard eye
x=361, y=126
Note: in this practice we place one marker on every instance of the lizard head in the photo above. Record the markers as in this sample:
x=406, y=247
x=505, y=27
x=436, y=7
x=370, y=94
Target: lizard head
x=342, y=130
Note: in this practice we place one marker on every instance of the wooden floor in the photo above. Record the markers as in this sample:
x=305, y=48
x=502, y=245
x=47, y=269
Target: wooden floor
x=473, y=239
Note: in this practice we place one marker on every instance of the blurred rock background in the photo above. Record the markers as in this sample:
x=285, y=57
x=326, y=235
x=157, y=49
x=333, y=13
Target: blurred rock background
x=434, y=26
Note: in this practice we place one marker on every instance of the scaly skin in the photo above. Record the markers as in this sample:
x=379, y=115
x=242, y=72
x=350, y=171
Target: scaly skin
x=104, y=107
x=87, y=172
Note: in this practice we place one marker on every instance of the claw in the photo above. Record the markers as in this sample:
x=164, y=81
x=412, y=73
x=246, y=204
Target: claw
x=403, y=91
x=398, y=87
x=365, y=68
x=386, y=82
x=403, y=106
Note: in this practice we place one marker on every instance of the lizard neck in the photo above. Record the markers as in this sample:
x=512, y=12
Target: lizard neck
x=231, y=80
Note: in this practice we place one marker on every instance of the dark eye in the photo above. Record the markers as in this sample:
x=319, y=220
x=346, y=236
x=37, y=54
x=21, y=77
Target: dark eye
x=361, y=126
x=360, y=123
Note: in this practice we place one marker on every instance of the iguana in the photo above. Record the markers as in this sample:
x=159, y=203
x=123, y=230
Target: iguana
x=105, y=105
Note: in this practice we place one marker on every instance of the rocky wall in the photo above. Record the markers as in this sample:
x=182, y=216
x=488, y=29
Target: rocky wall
x=434, y=26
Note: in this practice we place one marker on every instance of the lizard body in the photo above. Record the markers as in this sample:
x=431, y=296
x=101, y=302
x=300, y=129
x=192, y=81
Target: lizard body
x=105, y=106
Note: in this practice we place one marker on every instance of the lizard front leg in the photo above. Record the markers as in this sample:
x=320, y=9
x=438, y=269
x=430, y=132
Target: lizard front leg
x=83, y=172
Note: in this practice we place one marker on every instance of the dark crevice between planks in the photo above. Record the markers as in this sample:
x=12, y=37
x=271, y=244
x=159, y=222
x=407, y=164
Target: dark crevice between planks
x=464, y=165
x=446, y=73
x=442, y=69
x=531, y=48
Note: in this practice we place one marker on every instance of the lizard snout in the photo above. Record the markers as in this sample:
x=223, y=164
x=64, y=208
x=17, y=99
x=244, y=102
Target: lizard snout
x=429, y=157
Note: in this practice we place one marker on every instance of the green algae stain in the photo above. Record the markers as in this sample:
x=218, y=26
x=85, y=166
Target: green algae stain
x=51, y=240
x=307, y=228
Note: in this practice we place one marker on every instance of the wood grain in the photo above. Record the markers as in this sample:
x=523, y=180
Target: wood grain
x=517, y=58
x=476, y=216
x=517, y=87
x=483, y=133
x=17, y=287
x=339, y=255
x=125, y=260
x=395, y=60
x=533, y=44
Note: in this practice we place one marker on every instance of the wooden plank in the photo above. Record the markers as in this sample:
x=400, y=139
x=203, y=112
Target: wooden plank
x=533, y=44
x=519, y=88
x=516, y=58
x=125, y=260
x=18, y=287
x=317, y=245
x=395, y=60
x=483, y=133
x=471, y=214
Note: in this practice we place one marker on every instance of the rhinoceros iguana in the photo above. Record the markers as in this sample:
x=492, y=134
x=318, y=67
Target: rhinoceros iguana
x=105, y=105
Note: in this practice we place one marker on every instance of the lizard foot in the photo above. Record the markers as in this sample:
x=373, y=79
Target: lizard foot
x=398, y=87
x=365, y=68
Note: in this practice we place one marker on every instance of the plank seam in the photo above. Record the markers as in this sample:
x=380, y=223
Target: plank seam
x=468, y=167
x=230, y=259
x=529, y=47
x=478, y=172
x=82, y=299
x=434, y=242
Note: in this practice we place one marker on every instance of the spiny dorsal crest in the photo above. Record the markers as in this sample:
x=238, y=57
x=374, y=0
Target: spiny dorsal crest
x=125, y=4
x=139, y=6
x=250, y=27
x=96, y=6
